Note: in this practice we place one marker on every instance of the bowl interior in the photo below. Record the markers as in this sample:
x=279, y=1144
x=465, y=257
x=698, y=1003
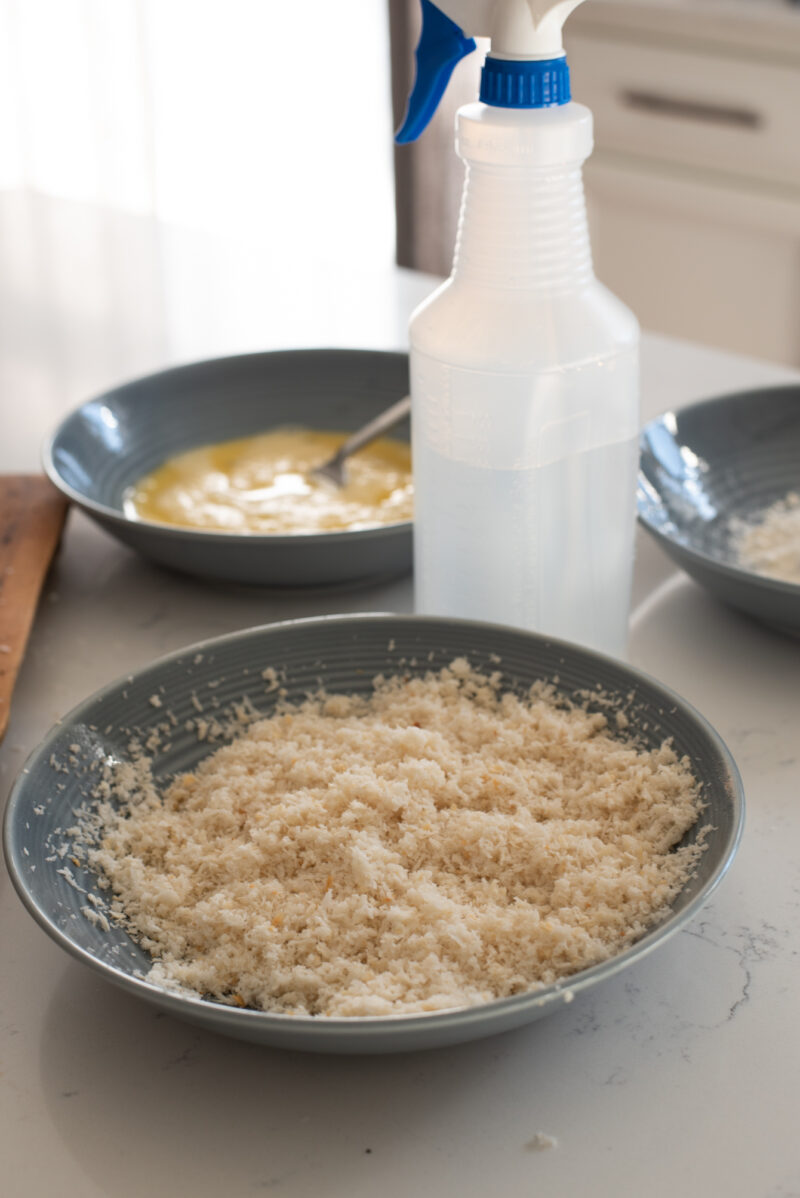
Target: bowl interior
x=714, y=461
x=110, y=442
x=345, y=653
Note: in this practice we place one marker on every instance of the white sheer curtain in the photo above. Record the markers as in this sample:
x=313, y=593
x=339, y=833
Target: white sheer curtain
x=139, y=138
x=217, y=114
x=74, y=100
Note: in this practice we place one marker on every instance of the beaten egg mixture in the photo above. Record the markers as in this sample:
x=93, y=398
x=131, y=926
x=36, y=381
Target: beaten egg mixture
x=263, y=484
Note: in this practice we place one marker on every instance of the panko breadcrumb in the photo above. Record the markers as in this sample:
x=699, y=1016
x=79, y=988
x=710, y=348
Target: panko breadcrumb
x=770, y=543
x=439, y=843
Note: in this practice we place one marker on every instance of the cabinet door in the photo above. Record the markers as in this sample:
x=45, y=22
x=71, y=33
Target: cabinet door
x=698, y=258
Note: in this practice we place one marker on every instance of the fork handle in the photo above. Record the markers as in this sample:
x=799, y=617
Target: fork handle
x=369, y=432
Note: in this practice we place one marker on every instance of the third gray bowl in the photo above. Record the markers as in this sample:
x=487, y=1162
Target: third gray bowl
x=714, y=461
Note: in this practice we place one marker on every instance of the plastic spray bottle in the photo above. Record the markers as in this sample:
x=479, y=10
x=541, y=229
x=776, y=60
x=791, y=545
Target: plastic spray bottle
x=524, y=368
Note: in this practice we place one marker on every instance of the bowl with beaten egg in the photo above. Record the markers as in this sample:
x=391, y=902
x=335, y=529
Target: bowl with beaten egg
x=208, y=468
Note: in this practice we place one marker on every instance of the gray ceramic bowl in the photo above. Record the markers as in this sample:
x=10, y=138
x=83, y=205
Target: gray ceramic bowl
x=345, y=652
x=710, y=462
x=110, y=442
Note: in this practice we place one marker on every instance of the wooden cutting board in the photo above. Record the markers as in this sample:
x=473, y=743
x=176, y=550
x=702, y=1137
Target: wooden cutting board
x=31, y=519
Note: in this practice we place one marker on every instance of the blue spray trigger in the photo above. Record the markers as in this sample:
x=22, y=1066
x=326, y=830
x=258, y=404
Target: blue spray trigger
x=442, y=45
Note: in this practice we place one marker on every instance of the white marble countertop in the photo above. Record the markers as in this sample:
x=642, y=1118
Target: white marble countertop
x=678, y=1078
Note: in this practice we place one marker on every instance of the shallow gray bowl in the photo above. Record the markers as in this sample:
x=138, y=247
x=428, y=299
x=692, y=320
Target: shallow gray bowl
x=345, y=652
x=724, y=458
x=108, y=443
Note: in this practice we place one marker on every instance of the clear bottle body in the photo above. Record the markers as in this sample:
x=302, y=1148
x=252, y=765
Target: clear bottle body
x=537, y=536
x=524, y=378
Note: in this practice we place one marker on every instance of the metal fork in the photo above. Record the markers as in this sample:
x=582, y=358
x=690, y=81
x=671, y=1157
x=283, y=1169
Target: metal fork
x=333, y=469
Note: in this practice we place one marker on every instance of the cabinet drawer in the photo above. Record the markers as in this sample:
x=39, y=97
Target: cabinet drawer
x=697, y=109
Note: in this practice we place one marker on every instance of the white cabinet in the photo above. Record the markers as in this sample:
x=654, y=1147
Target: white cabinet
x=694, y=186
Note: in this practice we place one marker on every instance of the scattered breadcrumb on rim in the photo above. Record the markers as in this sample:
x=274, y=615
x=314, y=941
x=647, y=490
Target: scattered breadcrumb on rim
x=439, y=843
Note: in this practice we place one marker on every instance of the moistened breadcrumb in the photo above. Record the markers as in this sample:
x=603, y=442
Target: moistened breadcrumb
x=770, y=544
x=439, y=843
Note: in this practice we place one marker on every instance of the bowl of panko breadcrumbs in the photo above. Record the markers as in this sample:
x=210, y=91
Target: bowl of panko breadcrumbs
x=719, y=490
x=372, y=833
